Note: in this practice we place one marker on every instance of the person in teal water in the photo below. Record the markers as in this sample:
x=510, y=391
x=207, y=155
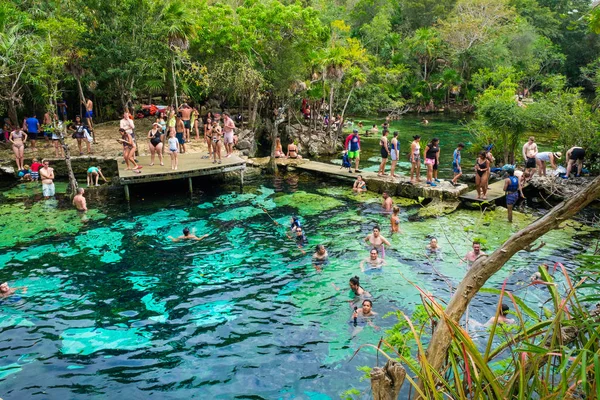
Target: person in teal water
x=187, y=235
x=320, y=257
x=373, y=262
x=93, y=173
x=6, y=291
x=512, y=187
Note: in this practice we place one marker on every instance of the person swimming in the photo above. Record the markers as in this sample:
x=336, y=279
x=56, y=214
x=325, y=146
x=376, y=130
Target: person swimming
x=301, y=239
x=320, y=257
x=188, y=236
x=373, y=261
x=357, y=289
x=295, y=223
x=6, y=290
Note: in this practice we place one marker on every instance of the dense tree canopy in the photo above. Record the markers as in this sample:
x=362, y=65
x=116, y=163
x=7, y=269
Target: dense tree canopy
x=359, y=56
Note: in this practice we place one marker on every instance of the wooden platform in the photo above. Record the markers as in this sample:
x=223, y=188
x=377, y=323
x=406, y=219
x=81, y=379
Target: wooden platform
x=190, y=165
x=398, y=186
x=495, y=192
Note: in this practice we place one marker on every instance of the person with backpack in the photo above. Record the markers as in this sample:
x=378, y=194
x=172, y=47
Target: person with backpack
x=346, y=161
x=352, y=145
x=512, y=188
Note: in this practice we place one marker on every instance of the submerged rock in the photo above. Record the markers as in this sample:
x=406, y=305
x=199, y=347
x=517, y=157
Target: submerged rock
x=437, y=208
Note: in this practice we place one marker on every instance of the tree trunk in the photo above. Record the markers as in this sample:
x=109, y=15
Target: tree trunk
x=12, y=112
x=174, y=81
x=386, y=382
x=72, y=188
x=330, y=120
x=485, y=267
x=339, y=132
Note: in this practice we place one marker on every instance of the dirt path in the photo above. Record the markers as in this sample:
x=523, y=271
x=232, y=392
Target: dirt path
x=106, y=135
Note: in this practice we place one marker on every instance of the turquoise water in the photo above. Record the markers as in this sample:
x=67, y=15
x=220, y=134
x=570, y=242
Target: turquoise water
x=449, y=129
x=114, y=308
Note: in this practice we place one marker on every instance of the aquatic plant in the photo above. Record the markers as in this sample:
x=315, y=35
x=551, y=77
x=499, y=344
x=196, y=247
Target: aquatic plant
x=553, y=358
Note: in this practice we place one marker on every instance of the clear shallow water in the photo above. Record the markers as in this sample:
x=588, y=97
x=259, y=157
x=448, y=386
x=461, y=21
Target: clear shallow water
x=115, y=308
x=447, y=128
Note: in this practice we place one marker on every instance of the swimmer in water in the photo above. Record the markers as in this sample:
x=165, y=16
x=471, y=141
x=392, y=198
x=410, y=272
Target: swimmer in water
x=6, y=291
x=301, y=239
x=537, y=276
x=472, y=255
x=357, y=289
x=388, y=203
x=433, y=246
x=365, y=315
x=320, y=257
x=395, y=220
x=377, y=241
x=187, y=236
x=295, y=223
x=79, y=201
x=373, y=261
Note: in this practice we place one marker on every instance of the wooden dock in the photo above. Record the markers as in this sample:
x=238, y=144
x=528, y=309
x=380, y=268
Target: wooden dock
x=190, y=165
x=398, y=186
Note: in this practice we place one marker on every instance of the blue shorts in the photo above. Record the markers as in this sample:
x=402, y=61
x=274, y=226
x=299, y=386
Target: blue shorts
x=89, y=114
x=179, y=136
x=511, y=198
x=456, y=168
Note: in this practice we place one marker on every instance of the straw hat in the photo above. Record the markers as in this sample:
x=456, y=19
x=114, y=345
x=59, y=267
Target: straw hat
x=557, y=155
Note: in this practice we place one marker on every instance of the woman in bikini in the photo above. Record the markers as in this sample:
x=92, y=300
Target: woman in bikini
x=395, y=219
x=155, y=144
x=482, y=166
x=279, y=149
x=18, y=139
x=128, y=149
x=216, y=139
x=208, y=136
x=415, y=159
x=292, y=151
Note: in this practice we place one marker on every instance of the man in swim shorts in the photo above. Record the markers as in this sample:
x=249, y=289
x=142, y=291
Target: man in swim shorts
x=47, y=175
x=89, y=114
x=472, y=255
x=228, y=130
x=353, y=146
x=79, y=201
x=575, y=156
x=186, y=114
x=530, y=151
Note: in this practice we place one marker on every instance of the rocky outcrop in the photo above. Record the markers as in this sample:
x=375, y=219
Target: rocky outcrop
x=246, y=142
x=313, y=143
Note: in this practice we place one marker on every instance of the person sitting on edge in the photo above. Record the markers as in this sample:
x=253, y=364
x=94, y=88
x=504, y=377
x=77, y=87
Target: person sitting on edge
x=472, y=255
x=25, y=173
x=6, y=290
x=320, y=257
x=359, y=185
x=93, y=173
x=373, y=261
x=388, y=203
x=187, y=236
x=512, y=188
x=79, y=201
x=35, y=169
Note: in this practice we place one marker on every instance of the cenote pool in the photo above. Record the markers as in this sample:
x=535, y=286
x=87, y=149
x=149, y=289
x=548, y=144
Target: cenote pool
x=114, y=309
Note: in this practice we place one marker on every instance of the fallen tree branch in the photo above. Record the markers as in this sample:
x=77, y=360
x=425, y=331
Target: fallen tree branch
x=485, y=267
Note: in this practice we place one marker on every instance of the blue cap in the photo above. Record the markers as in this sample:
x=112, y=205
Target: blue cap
x=355, y=131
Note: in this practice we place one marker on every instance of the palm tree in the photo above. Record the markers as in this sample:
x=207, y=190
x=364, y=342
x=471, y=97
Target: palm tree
x=179, y=20
x=451, y=81
x=425, y=45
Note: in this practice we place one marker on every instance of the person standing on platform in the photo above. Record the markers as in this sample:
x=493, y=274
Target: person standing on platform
x=228, y=130
x=352, y=144
x=456, y=168
x=394, y=154
x=385, y=152
x=31, y=125
x=530, y=152
x=89, y=115
x=415, y=159
x=512, y=188
x=432, y=153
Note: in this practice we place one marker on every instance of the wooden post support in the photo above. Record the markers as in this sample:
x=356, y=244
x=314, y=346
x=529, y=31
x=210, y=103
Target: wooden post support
x=241, y=180
x=126, y=187
x=190, y=183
